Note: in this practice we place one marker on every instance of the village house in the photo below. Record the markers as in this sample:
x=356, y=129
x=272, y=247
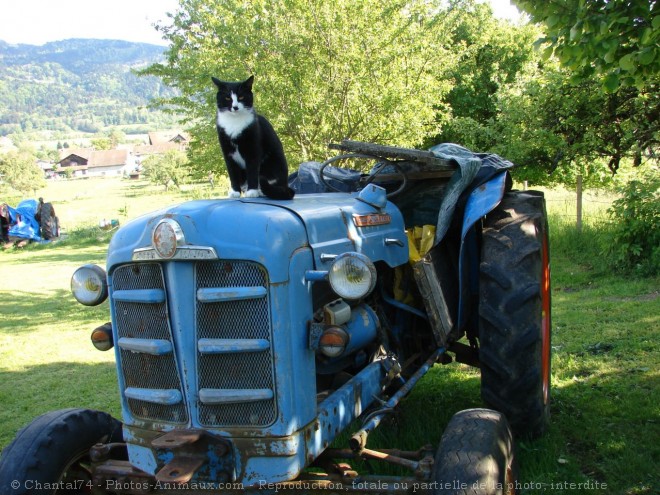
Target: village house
x=92, y=163
x=159, y=143
x=174, y=137
x=120, y=162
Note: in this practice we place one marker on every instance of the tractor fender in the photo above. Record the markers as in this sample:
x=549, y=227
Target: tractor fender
x=481, y=201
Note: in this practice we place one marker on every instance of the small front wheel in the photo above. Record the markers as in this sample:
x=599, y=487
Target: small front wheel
x=51, y=454
x=475, y=456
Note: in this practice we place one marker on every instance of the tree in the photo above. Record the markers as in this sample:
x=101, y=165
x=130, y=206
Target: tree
x=492, y=55
x=19, y=170
x=168, y=169
x=324, y=71
x=101, y=143
x=618, y=40
x=116, y=136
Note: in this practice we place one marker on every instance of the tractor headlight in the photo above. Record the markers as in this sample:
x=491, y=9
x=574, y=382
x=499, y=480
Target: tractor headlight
x=89, y=285
x=352, y=276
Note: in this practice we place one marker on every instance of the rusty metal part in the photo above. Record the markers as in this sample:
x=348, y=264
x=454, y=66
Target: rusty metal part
x=345, y=470
x=180, y=470
x=382, y=456
x=176, y=439
x=122, y=477
x=190, y=448
x=392, y=152
x=359, y=440
x=406, y=454
x=101, y=451
x=420, y=462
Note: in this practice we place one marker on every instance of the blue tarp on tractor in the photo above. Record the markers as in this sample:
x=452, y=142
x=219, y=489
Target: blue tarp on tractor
x=23, y=222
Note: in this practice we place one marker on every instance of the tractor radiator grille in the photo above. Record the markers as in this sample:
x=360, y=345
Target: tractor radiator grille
x=230, y=335
x=237, y=312
x=136, y=319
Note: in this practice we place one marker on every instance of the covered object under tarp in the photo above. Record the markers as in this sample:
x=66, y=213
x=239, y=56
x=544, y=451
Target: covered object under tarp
x=22, y=222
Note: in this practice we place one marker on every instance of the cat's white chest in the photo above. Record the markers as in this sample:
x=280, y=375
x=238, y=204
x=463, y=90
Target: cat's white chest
x=234, y=123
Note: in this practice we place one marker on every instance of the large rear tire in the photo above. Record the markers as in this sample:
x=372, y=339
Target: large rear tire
x=514, y=312
x=476, y=455
x=51, y=454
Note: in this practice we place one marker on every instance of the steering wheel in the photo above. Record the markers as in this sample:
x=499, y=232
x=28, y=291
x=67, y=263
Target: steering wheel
x=380, y=166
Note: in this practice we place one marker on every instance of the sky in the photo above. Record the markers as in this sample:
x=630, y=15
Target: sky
x=36, y=22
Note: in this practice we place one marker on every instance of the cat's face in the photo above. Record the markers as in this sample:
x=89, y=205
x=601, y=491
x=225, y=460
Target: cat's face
x=234, y=96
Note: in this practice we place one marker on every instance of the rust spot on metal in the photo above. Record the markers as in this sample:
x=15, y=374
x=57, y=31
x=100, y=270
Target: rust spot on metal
x=122, y=473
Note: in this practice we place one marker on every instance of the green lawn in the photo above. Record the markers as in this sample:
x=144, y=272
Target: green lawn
x=605, y=404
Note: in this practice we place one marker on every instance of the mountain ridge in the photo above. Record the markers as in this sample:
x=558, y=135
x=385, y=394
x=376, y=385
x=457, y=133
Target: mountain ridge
x=78, y=84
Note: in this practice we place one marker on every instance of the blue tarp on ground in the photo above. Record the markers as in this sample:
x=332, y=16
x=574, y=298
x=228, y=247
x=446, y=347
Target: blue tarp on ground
x=24, y=225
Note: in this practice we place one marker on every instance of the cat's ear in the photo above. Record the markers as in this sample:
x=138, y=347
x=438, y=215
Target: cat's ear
x=217, y=82
x=248, y=83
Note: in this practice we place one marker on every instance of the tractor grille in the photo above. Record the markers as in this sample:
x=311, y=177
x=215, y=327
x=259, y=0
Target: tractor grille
x=236, y=317
x=146, y=320
x=232, y=341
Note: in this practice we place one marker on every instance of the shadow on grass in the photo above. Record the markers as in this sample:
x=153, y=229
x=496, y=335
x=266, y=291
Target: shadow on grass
x=22, y=312
x=602, y=434
x=80, y=246
x=603, y=431
x=35, y=390
x=67, y=256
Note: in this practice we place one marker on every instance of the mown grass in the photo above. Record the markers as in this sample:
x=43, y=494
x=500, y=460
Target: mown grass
x=605, y=407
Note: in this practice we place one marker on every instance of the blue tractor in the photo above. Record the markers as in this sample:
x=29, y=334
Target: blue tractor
x=250, y=333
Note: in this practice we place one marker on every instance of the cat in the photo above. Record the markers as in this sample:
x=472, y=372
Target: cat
x=252, y=150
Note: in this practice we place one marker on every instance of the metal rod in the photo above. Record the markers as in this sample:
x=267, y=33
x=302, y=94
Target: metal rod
x=349, y=454
x=392, y=459
x=359, y=439
x=398, y=304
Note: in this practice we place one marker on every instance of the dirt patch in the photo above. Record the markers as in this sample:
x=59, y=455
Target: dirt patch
x=651, y=296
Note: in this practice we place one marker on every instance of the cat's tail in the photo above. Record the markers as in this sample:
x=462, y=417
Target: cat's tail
x=276, y=191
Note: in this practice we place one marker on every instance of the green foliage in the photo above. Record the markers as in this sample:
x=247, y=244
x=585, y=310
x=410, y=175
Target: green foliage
x=554, y=122
x=324, y=71
x=101, y=143
x=168, y=169
x=20, y=171
x=618, y=40
x=636, y=241
x=556, y=128
x=492, y=55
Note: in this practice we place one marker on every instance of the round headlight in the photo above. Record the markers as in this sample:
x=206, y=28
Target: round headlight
x=352, y=275
x=89, y=285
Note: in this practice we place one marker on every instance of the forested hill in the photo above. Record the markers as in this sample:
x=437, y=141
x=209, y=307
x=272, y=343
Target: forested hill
x=77, y=84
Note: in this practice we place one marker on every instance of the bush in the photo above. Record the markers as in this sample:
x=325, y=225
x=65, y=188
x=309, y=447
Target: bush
x=636, y=240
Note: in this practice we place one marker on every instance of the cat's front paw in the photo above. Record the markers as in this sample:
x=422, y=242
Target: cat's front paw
x=233, y=194
x=252, y=193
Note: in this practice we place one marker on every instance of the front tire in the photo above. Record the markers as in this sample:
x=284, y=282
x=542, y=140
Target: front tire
x=51, y=454
x=475, y=456
x=514, y=312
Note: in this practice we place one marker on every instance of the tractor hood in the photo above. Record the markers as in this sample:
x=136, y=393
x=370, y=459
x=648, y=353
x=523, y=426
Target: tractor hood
x=268, y=231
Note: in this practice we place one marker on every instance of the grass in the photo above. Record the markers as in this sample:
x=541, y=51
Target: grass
x=82, y=203
x=605, y=377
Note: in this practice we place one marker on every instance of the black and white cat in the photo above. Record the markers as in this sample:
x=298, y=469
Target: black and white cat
x=253, y=153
